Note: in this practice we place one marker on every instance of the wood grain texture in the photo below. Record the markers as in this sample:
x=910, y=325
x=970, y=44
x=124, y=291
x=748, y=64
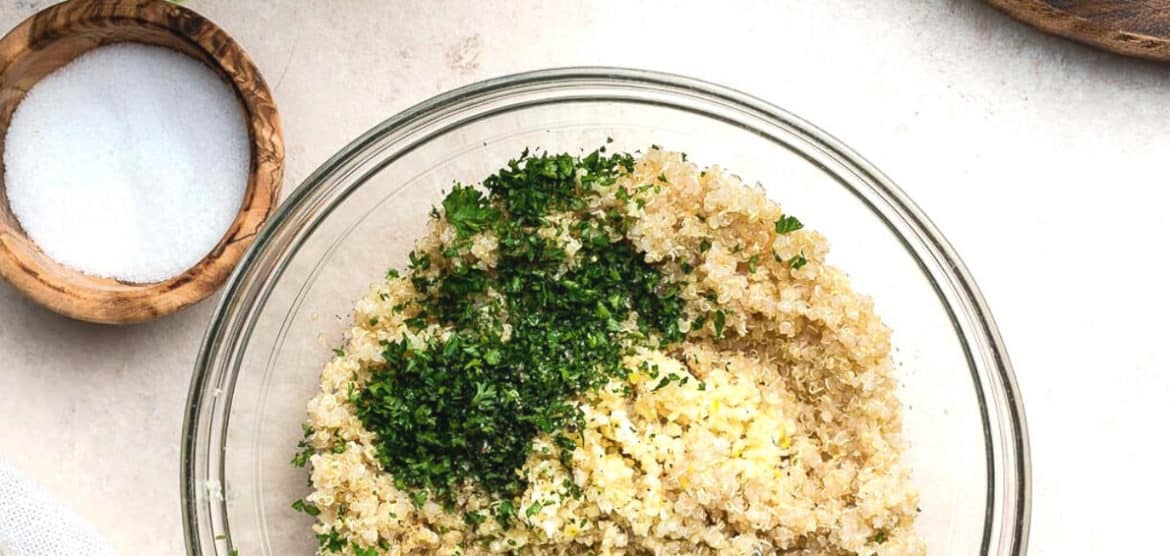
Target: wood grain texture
x=1139, y=28
x=55, y=36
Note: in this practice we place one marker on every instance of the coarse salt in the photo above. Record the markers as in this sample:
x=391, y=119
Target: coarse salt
x=130, y=162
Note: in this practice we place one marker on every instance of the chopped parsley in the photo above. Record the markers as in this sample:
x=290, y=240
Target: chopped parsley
x=465, y=408
x=331, y=541
x=359, y=551
x=305, y=507
x=468, y=211
x=534, y=509
x=304, y=449
x=474, y=518
x=787, y=224
x=797, y=261
x=666, y=380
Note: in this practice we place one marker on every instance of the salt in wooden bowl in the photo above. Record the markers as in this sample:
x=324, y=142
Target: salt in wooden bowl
x=59, y=34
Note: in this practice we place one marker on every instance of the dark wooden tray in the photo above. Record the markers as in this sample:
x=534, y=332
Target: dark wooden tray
x=1138, y=28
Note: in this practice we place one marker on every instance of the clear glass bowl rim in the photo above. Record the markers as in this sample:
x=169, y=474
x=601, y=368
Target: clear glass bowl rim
x=209, y=396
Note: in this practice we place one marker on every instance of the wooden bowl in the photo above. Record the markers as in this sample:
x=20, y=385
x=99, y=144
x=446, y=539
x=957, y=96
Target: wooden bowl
x=53, y=38
x=1139, y=28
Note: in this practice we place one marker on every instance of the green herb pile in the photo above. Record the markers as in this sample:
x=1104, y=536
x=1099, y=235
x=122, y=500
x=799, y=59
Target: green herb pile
x=528, y=335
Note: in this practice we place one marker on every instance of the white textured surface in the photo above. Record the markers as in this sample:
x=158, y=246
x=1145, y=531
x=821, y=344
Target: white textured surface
x=1042, y=161
x=32, y=523
x=157, y=162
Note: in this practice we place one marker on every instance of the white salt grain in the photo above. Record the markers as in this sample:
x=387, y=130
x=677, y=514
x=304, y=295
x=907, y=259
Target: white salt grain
x=130, y=162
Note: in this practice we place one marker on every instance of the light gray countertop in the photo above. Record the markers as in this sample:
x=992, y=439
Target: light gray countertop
x=1044, y=163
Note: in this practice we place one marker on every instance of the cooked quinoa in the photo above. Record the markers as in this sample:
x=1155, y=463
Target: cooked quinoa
x=758, y=417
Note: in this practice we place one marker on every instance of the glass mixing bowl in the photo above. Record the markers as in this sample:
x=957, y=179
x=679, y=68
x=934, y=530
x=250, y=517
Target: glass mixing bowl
x=291, y=296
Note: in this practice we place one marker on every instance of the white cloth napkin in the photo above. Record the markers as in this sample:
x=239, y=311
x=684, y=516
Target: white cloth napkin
x=32, y=524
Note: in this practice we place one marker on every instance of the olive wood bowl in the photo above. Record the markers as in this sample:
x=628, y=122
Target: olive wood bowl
x=57, y=35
